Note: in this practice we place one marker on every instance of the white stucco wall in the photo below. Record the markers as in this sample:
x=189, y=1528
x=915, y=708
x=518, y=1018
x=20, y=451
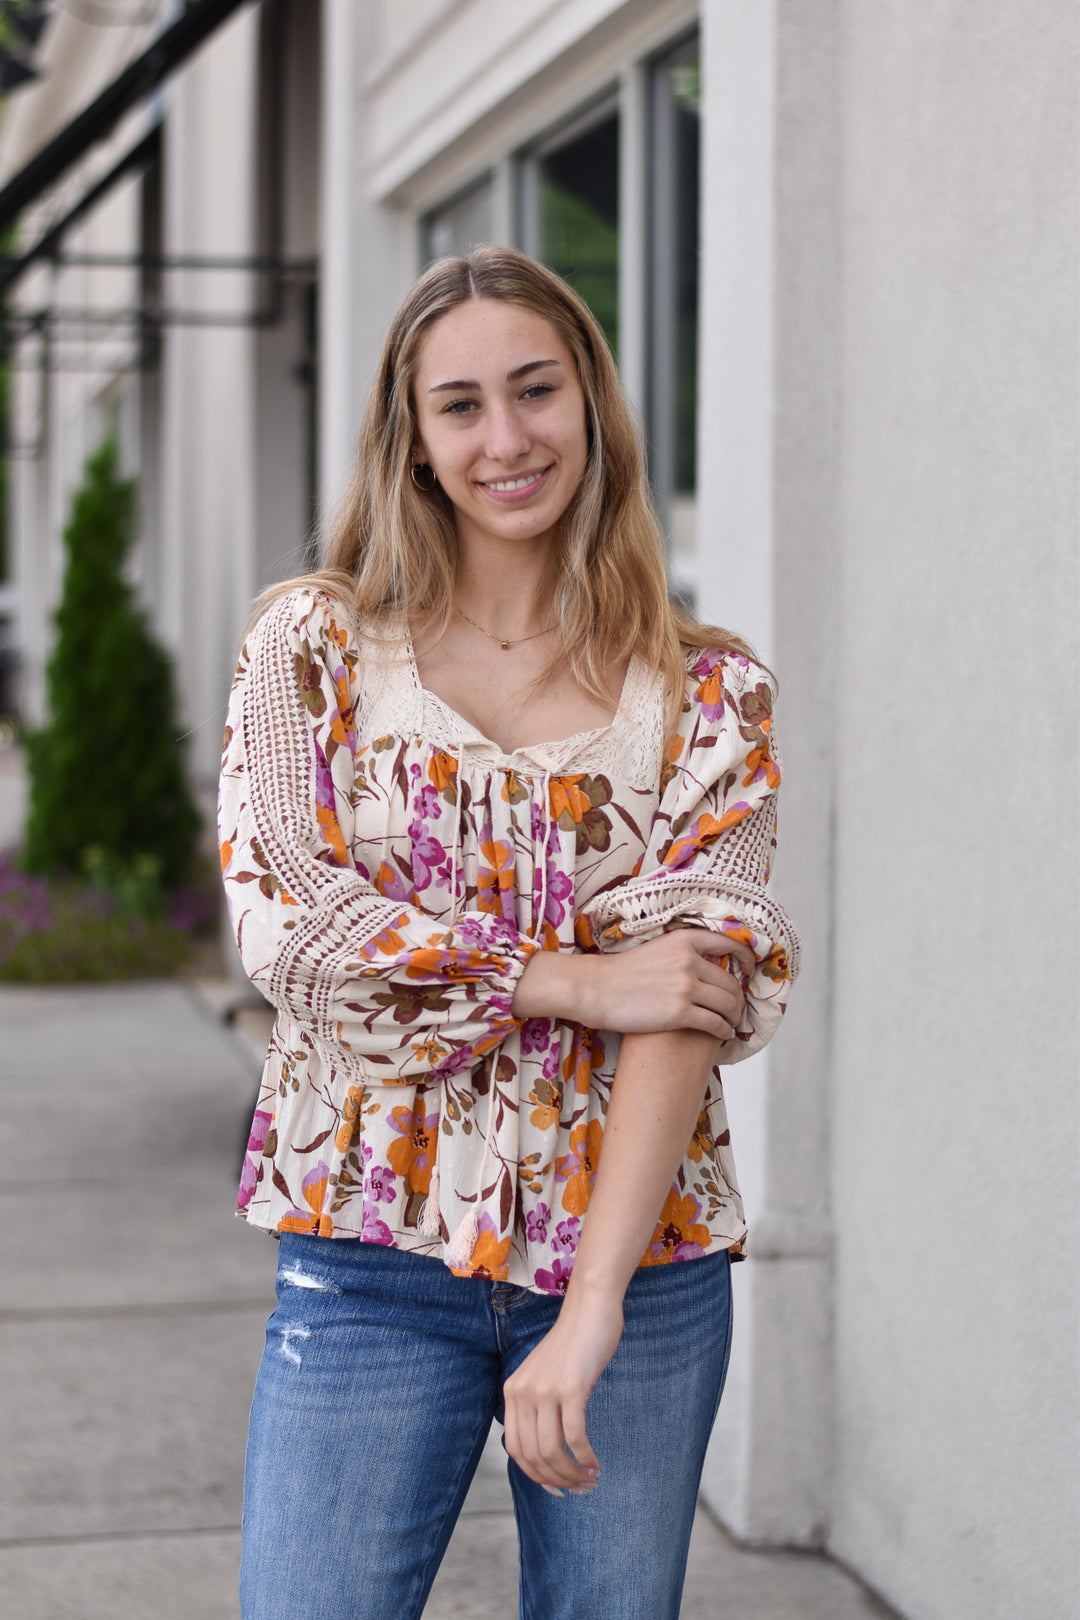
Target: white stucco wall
x=954, y=1126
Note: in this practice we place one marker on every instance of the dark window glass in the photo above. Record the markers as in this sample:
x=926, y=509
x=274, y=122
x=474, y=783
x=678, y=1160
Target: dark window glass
x=676, y=140
x=577, y=229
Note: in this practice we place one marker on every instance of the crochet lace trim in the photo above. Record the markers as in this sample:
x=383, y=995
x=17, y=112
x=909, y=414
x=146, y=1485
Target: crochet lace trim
x=393, y=702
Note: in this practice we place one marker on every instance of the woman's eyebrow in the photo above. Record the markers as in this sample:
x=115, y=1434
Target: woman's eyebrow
x=511, y=376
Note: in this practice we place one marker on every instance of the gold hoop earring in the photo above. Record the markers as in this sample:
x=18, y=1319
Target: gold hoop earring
x=424, y=485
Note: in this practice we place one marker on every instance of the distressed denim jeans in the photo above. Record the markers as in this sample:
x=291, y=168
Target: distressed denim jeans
x=381, y=1376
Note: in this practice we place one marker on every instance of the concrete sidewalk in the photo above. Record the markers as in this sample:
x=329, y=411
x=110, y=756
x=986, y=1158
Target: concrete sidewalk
x=131, y=1327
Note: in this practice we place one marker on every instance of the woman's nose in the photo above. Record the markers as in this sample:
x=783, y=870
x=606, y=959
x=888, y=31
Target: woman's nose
x=507, y=438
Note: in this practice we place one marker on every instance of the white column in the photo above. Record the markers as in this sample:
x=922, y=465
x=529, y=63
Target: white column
x=766, y=483
x=208, y=460
x=363, y=270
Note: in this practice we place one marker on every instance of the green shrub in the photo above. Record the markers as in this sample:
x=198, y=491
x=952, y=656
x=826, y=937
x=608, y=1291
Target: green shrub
x=105, y=770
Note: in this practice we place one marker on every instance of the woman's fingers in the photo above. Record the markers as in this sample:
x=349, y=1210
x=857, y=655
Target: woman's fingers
x=555, y=1462
x=536, y=1439
x=573, y=1426
x=545, y=1398
x=674, y=982
x=714, y=946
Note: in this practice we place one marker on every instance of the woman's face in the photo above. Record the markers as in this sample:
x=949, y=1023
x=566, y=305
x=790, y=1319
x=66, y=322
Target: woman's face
x=500, y=418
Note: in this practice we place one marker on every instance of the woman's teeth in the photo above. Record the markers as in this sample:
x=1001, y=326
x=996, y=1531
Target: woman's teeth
x=515, y=483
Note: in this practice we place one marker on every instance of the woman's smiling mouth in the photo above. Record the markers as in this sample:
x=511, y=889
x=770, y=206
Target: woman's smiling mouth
x=511, y=488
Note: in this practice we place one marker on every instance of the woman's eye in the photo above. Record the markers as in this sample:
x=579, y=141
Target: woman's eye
x=537, y=390
x=458, y=407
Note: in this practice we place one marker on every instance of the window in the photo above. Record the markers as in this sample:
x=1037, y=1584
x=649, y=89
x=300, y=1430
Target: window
x=569, y=200
x=458, y=225
x=675, y=139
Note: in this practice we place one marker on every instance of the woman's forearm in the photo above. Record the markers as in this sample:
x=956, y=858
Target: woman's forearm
x=656, y=1100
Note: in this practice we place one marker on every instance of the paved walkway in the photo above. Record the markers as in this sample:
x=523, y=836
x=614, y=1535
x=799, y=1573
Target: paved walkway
x=131, y=1326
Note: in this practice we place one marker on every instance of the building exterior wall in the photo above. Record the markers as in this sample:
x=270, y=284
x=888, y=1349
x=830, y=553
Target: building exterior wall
x=954, y=1124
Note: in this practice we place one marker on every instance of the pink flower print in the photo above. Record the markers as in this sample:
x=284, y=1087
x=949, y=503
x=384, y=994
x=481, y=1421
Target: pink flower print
x=313, y=1185
x=375, y=1230
x=687, y=1251
x=537, y=1224
x=487, y=933
x=550, y=1066
x=391, y=884
x=557, y=1279
x=379, y=1184
x=426, y=803
x=566, y=1234
x=535, y=1035
x=710, y=690
x=559, y=888
x=326, y=811
x=495, y=876
x=260, y=1129
x=427, y=853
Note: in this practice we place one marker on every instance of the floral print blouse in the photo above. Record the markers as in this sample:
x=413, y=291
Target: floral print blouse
x=389, y=872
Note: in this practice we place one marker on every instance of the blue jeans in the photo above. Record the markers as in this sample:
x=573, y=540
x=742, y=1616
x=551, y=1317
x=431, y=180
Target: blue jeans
x=381, y=1375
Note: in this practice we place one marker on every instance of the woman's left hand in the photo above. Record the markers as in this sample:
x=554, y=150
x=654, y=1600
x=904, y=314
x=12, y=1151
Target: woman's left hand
x=545, y=1398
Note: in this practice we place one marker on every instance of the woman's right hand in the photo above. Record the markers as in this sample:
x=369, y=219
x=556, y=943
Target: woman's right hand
x=670, y=983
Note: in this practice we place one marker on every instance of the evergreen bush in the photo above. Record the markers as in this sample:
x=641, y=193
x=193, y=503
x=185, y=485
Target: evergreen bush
x=105, y=772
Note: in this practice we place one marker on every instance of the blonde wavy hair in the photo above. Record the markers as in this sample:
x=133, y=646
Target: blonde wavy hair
x=393, y=549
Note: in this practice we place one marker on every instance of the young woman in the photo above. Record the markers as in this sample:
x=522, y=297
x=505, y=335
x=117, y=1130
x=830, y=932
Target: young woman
x=496, y=820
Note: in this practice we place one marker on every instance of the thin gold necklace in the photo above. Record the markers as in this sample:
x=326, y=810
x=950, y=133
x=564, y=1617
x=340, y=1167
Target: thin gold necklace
x=506, y=646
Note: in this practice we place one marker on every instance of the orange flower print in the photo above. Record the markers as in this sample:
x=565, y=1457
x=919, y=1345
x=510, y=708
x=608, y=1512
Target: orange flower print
x=495, y=879
x=548, y=1099
x=313, y=1187
x=710, y=693
x=567, y=800
x=679, y=1234
x=490, y=1255
x=332, y=835
x=760, y=765
x=226, y=852
x=702, y=1140
x=442, y=771
x=578, y=1167
x=575, y=806
x=350, y=1119
x=412, y=1154
x=672, y=750
x=389, y=942
x=776, y=965
x=703, y=832
x=512, y=791
x=578, y=1062
x=430, y=1050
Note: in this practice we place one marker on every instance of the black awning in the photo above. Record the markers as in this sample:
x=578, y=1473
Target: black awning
x=142, y=154
x=138, y=80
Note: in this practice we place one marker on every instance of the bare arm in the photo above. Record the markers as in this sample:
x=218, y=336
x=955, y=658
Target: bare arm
x=645, y=1135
